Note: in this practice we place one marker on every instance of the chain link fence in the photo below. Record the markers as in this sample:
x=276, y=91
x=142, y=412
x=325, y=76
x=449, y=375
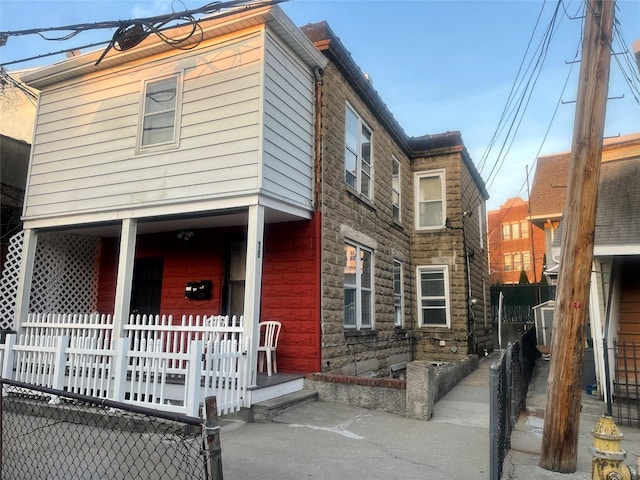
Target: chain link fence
x=509, y=379
x=51, y=434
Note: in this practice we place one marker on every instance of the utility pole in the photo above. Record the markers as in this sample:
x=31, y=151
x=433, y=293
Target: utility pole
x=562, y=414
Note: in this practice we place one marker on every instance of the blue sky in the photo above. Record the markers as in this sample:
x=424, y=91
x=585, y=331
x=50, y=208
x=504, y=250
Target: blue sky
x=438, y=65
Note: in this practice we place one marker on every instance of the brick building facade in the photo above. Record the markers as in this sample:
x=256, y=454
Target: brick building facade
x=515, y=244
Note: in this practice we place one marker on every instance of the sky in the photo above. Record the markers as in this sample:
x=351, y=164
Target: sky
x=475, y=66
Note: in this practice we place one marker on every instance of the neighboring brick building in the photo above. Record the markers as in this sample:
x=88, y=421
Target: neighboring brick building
x=515, y=244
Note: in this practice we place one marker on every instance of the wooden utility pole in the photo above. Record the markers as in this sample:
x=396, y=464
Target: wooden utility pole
x=562, y=413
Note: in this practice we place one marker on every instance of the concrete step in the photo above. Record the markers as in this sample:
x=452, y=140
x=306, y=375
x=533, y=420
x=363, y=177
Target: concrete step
x=265, y=412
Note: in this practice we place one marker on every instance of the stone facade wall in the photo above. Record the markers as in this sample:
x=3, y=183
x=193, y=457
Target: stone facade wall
x=456, y=245
x=346, y=215
x=477, y=248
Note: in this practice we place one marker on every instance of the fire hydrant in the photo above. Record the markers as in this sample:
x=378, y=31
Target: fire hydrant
x=607, y=453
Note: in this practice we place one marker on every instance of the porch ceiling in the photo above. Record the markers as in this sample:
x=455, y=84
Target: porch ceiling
x=181, y=222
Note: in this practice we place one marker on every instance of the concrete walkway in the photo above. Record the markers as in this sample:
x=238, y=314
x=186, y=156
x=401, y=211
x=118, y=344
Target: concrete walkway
x=322, y=440
x=327, y=441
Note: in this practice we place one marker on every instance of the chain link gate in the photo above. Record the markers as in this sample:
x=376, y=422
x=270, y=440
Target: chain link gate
x=53, y=434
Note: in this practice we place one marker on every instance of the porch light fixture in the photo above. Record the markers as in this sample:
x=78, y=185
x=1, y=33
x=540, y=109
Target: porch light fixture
x=185, y=235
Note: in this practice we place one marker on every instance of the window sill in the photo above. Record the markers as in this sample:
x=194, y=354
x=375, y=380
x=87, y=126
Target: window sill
x=366, y=201
x=360, y=333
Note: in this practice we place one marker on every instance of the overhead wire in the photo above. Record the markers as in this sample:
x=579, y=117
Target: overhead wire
x=520, y=96
x=131, y=32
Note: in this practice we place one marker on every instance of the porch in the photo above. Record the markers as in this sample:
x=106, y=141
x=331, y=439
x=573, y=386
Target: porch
x=160, y=362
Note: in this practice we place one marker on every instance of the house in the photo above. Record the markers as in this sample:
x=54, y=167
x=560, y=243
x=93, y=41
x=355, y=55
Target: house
x=515, y=244
x=17, y=114
x=613, y=304
x=549, y=188
x=262, y=168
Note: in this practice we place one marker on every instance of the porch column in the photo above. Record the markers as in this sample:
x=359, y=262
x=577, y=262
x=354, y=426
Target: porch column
x=23, y=294
x=125, y=275
x=597, y=327
x=253, y=284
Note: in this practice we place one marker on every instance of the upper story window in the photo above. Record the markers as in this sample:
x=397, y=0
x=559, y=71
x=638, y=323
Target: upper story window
x=160, y=113
x=430, y=200
x=433, y=296
x=357, y=153
x=395, y=188
x=358, y=291
x=506, y=231
x=398, y=300
x=524, y=228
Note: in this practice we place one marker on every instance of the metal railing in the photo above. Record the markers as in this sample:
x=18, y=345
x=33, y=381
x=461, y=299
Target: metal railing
x=626, y=383
x=79, y=437
x=509, y=379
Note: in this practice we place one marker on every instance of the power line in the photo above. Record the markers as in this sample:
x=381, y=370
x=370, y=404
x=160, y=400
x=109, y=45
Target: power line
x=131, y=32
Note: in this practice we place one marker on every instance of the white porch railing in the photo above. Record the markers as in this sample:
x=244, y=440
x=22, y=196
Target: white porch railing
x=158, y=364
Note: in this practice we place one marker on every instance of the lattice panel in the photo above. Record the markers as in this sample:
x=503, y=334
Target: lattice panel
x=9, y=281
x=65, y=276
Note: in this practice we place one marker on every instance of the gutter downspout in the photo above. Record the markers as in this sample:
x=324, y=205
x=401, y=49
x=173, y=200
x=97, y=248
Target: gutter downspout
x=317, y=75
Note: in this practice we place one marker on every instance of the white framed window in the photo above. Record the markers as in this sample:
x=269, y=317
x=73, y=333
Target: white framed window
x=508, y=263
x=398, y=294
x=357, y=153
x=433, y=296
x=160, y=108
x=395, y=188
x=430, y=200
x=506, y=231
x=524, y=228
x=515, y=231
x=481, y=221
x=517, y=262
x=358, y=287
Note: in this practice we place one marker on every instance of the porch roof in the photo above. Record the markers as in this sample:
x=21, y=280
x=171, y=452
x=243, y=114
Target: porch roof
x=617, y=229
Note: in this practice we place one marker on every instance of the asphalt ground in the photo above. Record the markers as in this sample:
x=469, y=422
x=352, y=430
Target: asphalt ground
x=322, y=440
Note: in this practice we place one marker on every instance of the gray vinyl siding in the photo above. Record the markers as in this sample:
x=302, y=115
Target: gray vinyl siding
x=288, y=125
x=84, y=156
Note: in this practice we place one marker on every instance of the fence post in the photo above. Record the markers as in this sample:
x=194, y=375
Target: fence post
x=192, y=382
x=494, y=411
x=212, y=431
x=59, y=362
x=8, y=357
x=120, y=384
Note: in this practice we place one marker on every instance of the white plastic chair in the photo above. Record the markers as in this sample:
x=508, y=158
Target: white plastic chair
x=269, y=332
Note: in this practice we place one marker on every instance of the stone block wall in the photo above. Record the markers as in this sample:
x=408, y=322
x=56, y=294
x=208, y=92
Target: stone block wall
x=348, y=216
x=426, y=383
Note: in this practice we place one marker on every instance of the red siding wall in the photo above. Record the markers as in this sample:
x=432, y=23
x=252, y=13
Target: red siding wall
x=291, y=292
x=290, y=282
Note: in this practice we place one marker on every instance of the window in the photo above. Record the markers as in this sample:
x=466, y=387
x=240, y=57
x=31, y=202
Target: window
x=398, y=301
x=524, y=228
x=358, y=298
x=481, y=220
x=159, y=112
x=526, y=260
x=395, y=188
x=508, y=263
x=517, y=262
x=357, y=154
x=430, y=200
x=433, y=296
x=506, y=231
x=515, y=231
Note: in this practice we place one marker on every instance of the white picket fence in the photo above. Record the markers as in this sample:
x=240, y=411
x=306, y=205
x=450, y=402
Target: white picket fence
x=158, y=363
